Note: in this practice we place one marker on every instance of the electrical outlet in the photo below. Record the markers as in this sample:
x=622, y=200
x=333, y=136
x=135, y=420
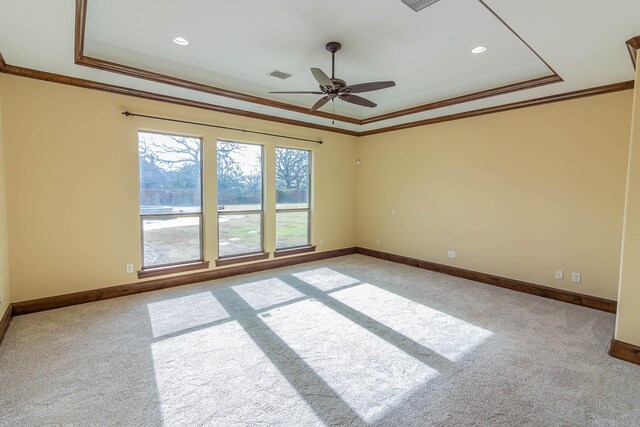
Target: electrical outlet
x=393, y=212
x=129, y=268
x=378, y=241
x=576, y=277
x=321, y=242
x=452, y=254
x=559, y=274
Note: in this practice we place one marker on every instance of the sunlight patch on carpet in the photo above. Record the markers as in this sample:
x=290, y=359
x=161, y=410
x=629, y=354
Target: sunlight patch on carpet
x=220, y=376
x=266, y=293
x=444, y=334
x=365, y=371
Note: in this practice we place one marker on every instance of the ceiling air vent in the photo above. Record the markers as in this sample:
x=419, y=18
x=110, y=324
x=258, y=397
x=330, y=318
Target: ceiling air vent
x=279, y=74
x=418, y=5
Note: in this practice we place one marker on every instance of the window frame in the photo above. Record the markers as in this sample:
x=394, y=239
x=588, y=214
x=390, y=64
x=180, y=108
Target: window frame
x=291, y=210
x=199, y=215
x=220, y=213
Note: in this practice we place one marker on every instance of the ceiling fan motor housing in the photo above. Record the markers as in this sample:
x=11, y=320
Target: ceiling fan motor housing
x=339, y=85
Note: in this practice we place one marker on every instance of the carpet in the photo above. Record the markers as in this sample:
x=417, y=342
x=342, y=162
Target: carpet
x=350, y=341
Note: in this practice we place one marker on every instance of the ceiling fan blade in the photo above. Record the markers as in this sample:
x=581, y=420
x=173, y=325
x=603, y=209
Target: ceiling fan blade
x=368, y=87
x=358, y=100
x=322, y=78
x=320, y=103
x=314, y=93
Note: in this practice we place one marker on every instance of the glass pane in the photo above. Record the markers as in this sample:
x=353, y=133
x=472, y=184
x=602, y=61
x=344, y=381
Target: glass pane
x=239, y=176
x=171, y=240
x=292, y=229
x=292, y=178
x=169, y=174
x=239, y=234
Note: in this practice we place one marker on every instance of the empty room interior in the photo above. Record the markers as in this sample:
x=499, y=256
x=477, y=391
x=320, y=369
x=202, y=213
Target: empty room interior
x=319, y=213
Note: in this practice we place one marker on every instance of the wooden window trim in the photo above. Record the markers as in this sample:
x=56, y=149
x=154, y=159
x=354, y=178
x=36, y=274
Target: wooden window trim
x=160, y=271
x=293, y=251
x=241, y=258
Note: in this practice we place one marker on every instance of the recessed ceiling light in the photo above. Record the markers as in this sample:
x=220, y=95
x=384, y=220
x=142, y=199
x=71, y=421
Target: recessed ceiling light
x=181, y=41
x=479, y=49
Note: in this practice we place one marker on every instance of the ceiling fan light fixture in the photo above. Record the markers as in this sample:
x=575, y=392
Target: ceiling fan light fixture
x=180, y=41
x=418, y=5
x=479, y=49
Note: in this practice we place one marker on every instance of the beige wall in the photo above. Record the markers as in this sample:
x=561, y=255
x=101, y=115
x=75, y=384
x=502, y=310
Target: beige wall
x=72, y=177
x=628, y=320
x=5, y=292
x=518, y=194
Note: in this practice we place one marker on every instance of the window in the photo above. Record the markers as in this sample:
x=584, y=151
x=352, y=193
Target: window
x=170, y=199
x=240, y=199
x=293, y=209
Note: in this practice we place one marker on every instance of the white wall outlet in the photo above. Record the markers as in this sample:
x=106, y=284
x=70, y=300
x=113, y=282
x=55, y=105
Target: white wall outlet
x=129, y=268
x=393, y=212
x=321, y=242
x=576, y=277
x=452, y=254
x=559, y=274
x=378, y=241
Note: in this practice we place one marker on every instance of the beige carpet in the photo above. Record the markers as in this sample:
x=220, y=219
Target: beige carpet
x=350, y=341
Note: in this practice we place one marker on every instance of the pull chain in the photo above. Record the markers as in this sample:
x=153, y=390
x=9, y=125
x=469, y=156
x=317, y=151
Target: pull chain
x=333, y=106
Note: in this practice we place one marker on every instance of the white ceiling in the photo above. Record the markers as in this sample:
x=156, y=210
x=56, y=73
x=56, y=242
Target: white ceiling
x=233, y=45
x=426, y=53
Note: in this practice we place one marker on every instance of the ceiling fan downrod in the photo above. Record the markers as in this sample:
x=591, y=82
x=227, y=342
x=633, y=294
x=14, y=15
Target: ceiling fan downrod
x=333, y=47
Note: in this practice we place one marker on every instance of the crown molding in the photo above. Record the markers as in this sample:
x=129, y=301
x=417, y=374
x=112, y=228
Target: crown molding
x=89, y=84
x=87, y=61
x=100, y=64
x=600, y=90
x=121, y=90
x=503, y=90
x=80, y=24
x=633, y=45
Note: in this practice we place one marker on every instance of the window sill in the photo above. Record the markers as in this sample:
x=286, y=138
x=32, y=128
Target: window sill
x=293, y=251
x=160, y=271
x=240, y=259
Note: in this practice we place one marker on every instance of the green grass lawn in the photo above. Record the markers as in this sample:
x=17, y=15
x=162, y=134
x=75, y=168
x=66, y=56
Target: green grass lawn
x=172, y=244
x=291, y=229
x=238, y=234
x=241, y=233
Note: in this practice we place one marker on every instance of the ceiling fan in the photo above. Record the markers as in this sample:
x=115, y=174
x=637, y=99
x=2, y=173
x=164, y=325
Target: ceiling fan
x=333, y=88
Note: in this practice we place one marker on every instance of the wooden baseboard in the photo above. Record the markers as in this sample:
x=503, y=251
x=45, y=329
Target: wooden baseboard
x=4, y=322
x=49, y=303
x=624, y=351
x=503, y=282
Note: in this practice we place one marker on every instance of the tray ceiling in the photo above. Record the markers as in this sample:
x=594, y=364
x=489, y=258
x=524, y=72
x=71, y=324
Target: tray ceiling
x=233, y=45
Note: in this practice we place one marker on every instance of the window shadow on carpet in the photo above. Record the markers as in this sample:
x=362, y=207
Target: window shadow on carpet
x=316, y=343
